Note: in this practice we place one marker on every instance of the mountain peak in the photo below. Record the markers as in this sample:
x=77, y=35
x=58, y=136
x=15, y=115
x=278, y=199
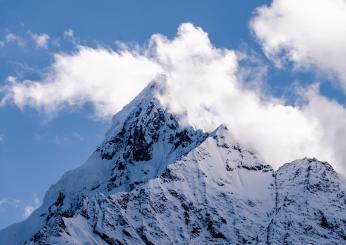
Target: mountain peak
x=148, y=96
x=142, y=141
x=155, y=180
x=315, y=193
x=308, y=164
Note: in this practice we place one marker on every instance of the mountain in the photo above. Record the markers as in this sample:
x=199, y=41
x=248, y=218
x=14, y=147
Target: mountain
x=154, y=180
x=310, y=204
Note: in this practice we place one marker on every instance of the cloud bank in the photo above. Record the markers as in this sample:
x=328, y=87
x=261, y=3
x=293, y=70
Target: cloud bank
x=203, y=82
x=105, y=78
x=309, y=33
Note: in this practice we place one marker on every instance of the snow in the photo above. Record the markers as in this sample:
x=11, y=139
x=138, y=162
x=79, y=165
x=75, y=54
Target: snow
x=80, y=233
x=154, y=180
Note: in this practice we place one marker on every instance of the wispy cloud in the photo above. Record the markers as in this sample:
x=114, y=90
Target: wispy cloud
x=74, y=136
x=59, y=139
x=29, y=208
x=12, y=38
x=24, y=207
x=41, y=40
x=68, y=34
x=9, y=201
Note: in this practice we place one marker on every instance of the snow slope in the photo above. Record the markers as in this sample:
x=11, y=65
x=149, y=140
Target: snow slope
x=310, y=204
x=155, y=181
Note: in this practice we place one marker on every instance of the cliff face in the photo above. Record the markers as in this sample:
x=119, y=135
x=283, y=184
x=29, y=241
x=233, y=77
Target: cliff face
x=155, y=181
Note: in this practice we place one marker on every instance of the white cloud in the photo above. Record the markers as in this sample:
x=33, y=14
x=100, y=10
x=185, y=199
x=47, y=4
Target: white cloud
x=41, y=40
x=12, y=38
x=9, y=201
x=310, y=33
x=68, y=34
x=25, y=208
x=106, y=78
x=203, y=82
x=29, y=208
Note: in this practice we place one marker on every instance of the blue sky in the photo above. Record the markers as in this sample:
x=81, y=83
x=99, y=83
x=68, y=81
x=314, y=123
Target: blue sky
x=36, y=149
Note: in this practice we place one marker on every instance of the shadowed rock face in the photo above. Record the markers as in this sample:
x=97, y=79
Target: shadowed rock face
x=155, y=181
x=149, y=139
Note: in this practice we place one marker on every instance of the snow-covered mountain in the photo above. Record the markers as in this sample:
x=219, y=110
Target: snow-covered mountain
x=156, y=181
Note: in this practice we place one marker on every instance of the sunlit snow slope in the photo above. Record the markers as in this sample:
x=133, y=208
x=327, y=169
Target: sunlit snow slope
x=155, y=181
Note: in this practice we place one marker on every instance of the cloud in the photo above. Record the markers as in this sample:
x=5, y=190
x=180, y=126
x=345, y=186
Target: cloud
x=204, y=83
x=74, y=136
x=102, y=77
x=309, y=33
x=29, y=208
x=68, y=34
x=41, y=40
x=12, y=38
x=6, y=201
x=25, y=208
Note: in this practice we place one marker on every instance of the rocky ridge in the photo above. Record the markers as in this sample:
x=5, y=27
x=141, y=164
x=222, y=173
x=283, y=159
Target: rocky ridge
x=156, y=181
